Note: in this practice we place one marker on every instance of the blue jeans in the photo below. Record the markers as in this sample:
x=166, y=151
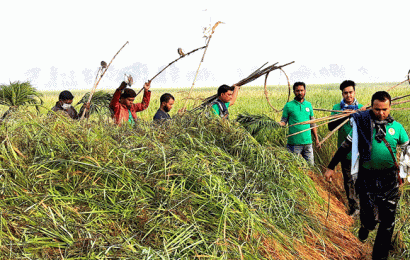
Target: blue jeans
x=306, y=150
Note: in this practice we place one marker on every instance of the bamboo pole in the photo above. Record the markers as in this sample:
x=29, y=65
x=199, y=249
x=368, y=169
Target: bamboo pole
x=171, y=64
x=287, y=78
x=333, y=131
x=333, y=120
x=267, y=96
x=96, y=84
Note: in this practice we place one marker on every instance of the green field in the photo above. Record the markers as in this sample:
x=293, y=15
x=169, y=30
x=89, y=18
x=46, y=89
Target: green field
x=196, y=188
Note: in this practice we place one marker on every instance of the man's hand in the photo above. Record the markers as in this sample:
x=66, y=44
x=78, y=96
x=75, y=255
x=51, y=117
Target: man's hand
x=318, y=146
x=281, y=123
x=87, y=105
x=362, y=109
x=123, y=85
x=147, y=85
x=329, y=174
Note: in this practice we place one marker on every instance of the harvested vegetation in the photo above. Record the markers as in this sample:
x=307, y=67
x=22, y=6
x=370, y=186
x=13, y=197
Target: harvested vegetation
x=196, y=188
x=177, y=191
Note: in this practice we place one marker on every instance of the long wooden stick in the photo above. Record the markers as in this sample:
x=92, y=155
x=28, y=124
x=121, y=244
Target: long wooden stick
x=170, y=65
x=96, y=84
x=287, y=78
x=333, y=131
x=313, y=127
x=266, y=94
x=316, y=120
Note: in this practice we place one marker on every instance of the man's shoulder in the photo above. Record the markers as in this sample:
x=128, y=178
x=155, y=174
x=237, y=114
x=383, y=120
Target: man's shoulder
x=161, y=115
x=336, y=107
x=396, y=124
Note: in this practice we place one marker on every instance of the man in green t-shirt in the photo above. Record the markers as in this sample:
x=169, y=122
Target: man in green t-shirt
x=348, y=103
x=297, y=111
x=226, y=97
x=378, y=181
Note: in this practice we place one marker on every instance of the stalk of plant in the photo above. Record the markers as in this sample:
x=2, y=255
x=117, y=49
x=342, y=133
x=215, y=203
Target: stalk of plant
x=208, y=36
x=104, y=67
x=182, y=56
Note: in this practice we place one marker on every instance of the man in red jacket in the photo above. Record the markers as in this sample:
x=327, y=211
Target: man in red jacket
x=122, y=103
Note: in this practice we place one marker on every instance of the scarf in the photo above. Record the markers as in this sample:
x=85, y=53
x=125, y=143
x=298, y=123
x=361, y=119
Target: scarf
x=380, y=126
x=353, y=106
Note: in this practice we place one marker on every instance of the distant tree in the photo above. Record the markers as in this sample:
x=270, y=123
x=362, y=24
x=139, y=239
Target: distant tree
x=18, y=94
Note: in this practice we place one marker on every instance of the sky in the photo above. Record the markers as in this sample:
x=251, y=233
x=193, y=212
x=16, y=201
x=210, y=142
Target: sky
x=59, y=45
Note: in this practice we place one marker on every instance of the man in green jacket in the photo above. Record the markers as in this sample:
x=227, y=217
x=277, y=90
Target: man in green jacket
x=348, y=103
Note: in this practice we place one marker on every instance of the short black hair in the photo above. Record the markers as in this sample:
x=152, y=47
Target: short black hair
x=65, y=95
x=348, y=83
x=223, y=89
x=381, y=96
x=165, y=98
x=299, y=83
x=128, y=92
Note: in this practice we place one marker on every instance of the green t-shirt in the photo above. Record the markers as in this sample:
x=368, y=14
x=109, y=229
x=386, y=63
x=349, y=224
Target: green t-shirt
x=296, y=112
x=130, y=118
x=216, y=108
x=380, y=157
x=344, y=131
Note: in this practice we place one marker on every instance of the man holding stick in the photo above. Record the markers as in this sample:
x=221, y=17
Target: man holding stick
x=122, y=103
x=376, y=136
x=226, y=97
x=297, y=111
x=348, y=103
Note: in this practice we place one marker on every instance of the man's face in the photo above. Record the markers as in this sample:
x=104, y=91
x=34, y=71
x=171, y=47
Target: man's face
x=127, y=101
x=67, y=101
x=299, y=92
x=348, y=94
x=226, y=97
x=167, y=106
x=381, y=109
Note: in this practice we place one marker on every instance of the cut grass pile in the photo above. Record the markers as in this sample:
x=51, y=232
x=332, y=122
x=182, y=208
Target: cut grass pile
x=194, y=188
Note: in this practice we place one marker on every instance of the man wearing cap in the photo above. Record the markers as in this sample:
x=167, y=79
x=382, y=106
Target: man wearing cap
x=122, y=103
x=65, y=99
x=348, y=103
x=297, y=111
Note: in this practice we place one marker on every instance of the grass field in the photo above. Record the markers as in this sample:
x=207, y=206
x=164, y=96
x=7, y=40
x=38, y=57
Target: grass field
x=196, y=188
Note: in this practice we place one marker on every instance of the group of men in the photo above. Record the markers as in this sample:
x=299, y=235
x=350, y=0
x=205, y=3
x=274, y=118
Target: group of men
x=371, y=180
x=124, y=109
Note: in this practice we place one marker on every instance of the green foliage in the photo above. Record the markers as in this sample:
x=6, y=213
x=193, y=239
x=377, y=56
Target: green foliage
x=17, y=94
x=192, y=186
x=100, y=102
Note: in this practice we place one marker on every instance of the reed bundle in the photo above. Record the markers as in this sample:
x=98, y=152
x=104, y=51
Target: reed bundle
x=253, y=76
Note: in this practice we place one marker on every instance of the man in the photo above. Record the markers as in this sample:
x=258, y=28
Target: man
x=122, y=103
x=64, y=103
x=166, y=104
x=377, y=183
x=348, y=103
x=226, y=97
x=297, y=111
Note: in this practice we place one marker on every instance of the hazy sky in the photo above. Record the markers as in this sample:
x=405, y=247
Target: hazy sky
x=60, y=44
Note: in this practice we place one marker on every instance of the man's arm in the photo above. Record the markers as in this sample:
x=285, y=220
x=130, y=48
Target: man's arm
x=341, y=153
x=145, y=100
x=314, y=131
x=234, y=95
x=117, y=94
